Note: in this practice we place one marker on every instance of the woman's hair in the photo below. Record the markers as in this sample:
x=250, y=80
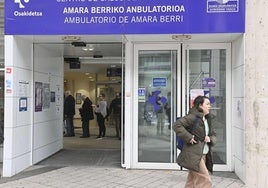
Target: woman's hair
x=199, y=100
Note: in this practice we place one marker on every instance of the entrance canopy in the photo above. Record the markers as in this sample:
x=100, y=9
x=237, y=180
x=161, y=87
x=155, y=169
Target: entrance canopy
x=55, y=17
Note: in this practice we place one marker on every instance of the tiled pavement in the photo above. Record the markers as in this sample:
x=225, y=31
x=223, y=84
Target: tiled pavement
x=95, y=177
x=87, y=163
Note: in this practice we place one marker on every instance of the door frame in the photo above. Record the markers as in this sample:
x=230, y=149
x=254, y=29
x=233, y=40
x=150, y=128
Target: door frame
x=185, y=92
x=182, y=69
x=151, y=46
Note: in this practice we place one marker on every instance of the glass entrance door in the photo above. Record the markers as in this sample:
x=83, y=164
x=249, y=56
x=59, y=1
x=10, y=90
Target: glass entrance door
x=208, y=72
x=166, y=84
x=156, y=95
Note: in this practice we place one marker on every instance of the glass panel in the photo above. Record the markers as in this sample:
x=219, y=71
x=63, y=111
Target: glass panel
x=2, y=97
x=207, y=71
x=155, y=86
x=110, y=90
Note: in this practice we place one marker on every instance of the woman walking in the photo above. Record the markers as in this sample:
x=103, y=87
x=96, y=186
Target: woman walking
x=197, y=133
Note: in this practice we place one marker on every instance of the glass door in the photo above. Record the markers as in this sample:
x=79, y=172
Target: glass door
x=156, y=93
x=208, y=72
x=166, y=84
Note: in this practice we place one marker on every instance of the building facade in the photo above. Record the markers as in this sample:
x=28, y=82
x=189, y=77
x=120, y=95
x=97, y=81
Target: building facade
x=173, y=51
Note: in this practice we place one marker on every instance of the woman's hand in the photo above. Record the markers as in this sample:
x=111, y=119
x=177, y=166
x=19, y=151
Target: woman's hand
x=207, y=139
x=192, y=141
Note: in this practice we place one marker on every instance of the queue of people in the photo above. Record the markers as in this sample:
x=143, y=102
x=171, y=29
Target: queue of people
x=87, y=111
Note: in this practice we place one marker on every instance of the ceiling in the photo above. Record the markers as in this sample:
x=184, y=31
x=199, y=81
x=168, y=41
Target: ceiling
x=95, y=53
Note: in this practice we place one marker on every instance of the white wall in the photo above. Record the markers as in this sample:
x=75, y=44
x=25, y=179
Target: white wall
x=238, y=100
x=30, y=136
x=48, y=124
x=17, y=125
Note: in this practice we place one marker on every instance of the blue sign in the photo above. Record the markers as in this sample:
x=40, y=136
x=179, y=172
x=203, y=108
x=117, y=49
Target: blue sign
x=52, y=17
x=208, y=82
x=141, y=92
x=222, y=6
x=159, y=82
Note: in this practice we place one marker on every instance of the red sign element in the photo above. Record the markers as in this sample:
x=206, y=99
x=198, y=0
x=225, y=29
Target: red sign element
x=8, y=70
x=8, y=91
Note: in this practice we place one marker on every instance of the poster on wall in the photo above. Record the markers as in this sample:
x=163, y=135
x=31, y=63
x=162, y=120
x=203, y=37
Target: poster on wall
x=193, y=94
x=46, y=96
x=78, y=98
x=23, y=104
x=24, y=88
x=52, y=96
x=58, y=98
x=38, y=96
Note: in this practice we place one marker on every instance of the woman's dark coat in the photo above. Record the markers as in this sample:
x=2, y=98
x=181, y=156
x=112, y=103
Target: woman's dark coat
x=86, y=111
x=69, y=106
x=191, y=154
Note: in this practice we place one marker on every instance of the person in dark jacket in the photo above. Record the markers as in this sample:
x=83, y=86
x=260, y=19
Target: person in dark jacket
x=196, y=154
x=86, y=113
x=115, y=108
x=69, y=112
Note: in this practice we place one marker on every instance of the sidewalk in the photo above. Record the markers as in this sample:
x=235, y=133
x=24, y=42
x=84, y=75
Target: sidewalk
x=91, y=163
x=93, y=177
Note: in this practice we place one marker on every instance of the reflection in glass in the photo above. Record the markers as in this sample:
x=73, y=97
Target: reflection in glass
x=155, y=87
x=207, y=71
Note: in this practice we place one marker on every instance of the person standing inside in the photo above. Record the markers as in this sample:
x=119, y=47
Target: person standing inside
x=115, y=108
x=168, y=109
x=197, y=133
x=101, y=112
x=69, y=112
x=161, y=116
x=86, y=113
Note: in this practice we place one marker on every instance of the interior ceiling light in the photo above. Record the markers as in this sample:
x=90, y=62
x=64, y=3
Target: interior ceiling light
x=88, y=48
x=181, y=37
x=70, y=38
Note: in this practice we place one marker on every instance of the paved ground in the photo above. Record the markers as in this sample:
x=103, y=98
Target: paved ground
x=86, y=162
x=82, y=177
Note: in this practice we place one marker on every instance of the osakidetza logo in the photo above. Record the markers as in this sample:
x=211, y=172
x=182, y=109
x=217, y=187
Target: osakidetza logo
x=21, y=3
x=24, y=11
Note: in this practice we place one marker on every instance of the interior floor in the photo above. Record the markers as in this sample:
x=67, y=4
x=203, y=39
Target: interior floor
x=88, y=151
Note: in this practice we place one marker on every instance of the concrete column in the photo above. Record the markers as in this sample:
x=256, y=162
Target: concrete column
x=256, y=96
